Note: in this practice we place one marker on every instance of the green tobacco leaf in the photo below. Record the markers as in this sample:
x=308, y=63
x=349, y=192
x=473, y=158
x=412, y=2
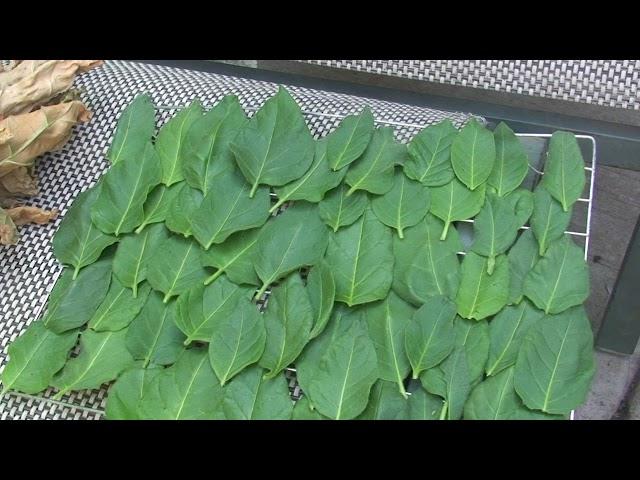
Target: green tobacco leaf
x=35, y=357
x=187, y=390
x=430, y=155
x=292, y=240
x=119, y=307
x=275, y=146
x=234, y=257
x=560, y=279
x=506, y=331
x=473, y=154
x=153, y=336
x=78, y=242
x=374, y=170
x=159, y=201
x=133, y=255
x=250, y=396
x=555, y=363
x=135, y=127
x=72, y=303
x=207, y=150
x=473, y=337
x=287, y=321
x=345, y=375
x=454, y=201
x=178, y=268
x=302, y=411
x=387, y=322
x=321, y=289
x=170, y=143
x=480, y=294
x=385, y=403
x=238, y=341
x=339, y=210
x=181, y=211
x=118, y=207
x=512, y=163
x=103, y=356
x=227, y=209
x=126, y=393
x=404, y=205
x=496, y=399
x=349, y=141
x=313, y=185
x=521, y=201
x=424, y=265
x=361, y=259
x=522, y=257
x=564, y=176
x=549, y=221
x=429, y=336
x=423, y=406
x=450, y=380
x=200, y=308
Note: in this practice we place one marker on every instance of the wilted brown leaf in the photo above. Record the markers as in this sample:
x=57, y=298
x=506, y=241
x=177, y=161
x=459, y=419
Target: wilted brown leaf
x=29, y=135
x=24, y=214
x=34, y=82
x=8, y=231
x=18, y=182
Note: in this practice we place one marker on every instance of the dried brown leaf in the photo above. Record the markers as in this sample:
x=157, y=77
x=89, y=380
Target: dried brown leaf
x=18, y=182
x=34, y=83
x=25, y=214
x=8, y=230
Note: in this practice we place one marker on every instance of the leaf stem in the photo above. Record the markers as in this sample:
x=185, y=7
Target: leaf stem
x=400, y=233
x=403, y=392
x=445, y=230
x=443, y=412
x=253, y=189
x=213, y=277
x=58, y=396
x=166, y=298
x=277, y=205
x=75, y=272
x=141, y=227
x=351, y=190
x=263, y=289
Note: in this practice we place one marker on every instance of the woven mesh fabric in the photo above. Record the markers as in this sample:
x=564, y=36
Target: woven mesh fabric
x=613, y=83
x=28, y=270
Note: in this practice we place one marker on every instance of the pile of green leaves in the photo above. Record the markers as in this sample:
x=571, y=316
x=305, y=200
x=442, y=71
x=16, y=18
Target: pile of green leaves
x=191, y=288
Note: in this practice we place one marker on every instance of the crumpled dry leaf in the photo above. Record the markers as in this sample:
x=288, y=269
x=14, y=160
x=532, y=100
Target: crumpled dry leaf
x=29, y=135
x=25, y=214
x=34, y=82
x=18, y=182
x=8, y=231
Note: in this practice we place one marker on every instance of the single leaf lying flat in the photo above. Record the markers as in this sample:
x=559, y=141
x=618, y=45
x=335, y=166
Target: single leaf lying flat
x=473, y=154
x=234, y=257
x=404, y=205
x=153, y=336
x=35, y=357
x=454, y=201
x=287, y=321
x=72, y=303
x=126, y=393
x=78, y=242
x=387, y=322
x=159, y=201
x=450, y=380
x=506, y=331
x=207, y=150
x=124, y=188
x=496, y=399
x=321, y=289
x=178, y=268
x=522, y=257
x=385, y=402
x=294, y=239
x=424, y=265
x=555, y=363
x=560, y=279
x=429, y=336
x=103, y=356
x=170, y=143
x=373, y=172
x=181, y=211
x=227, y=208
x=275, y=146
x=349, y=141
x=480, y=294
x=251, y=396
x=430, y=155
x=119, y=307
x=339, y=210
x=133, y=255
x=564, y=176
x=361, y=259
x=135, y=128
x=512, y=163
x=474, y=338
x=201, y=308
x=238, y=341
x=187, y=390
x=549, y=221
